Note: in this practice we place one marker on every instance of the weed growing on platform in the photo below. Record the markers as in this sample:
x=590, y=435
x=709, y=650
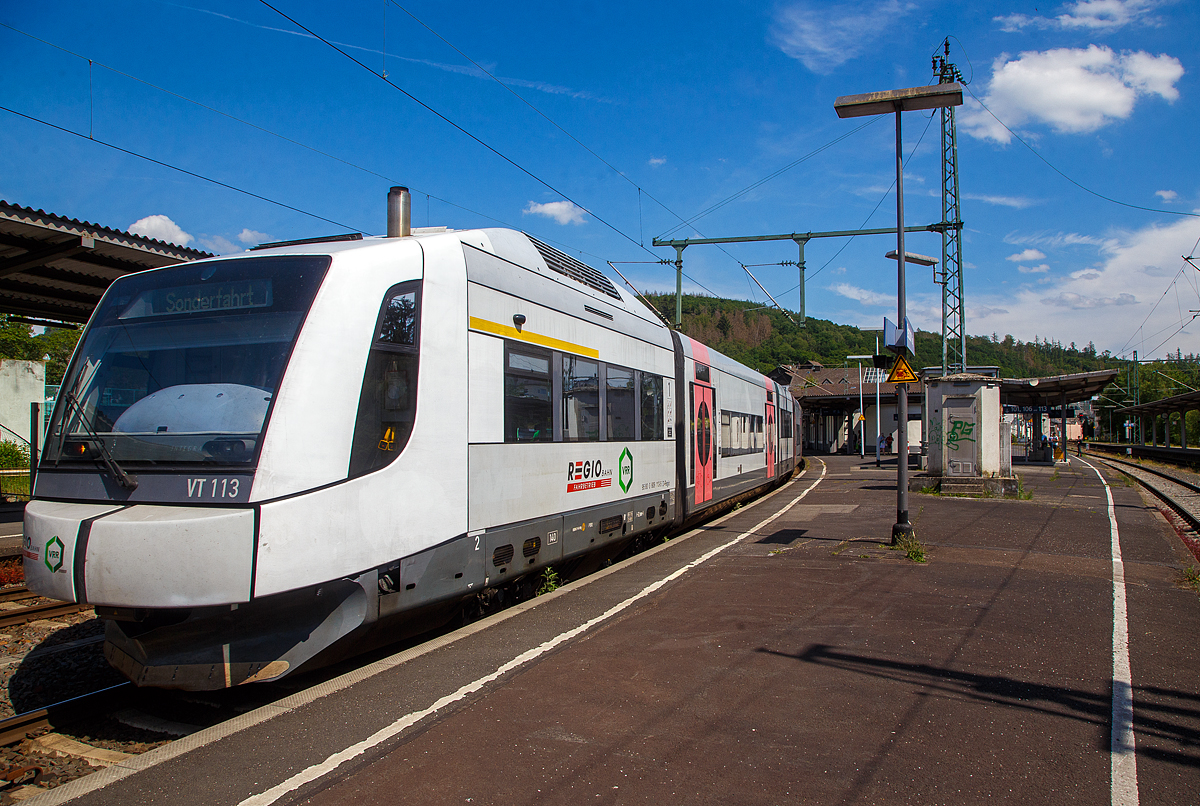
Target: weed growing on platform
x=913, y=548
x=1055, y=476
x=1022, y=493
x=1191, y=578
x=550, y=582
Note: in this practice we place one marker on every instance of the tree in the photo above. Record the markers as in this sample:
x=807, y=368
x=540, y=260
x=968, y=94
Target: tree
x=56, y=346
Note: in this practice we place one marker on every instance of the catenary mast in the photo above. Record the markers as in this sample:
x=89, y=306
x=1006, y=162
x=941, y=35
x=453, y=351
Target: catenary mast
x=949, y=273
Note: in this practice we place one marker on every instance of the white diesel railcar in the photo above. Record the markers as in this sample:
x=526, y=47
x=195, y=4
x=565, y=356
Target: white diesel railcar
x=258, y=461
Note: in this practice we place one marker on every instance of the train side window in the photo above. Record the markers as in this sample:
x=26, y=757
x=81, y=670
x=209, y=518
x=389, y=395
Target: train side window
x=652, y=406
x=528, y=406
x=387, y=404
x=702, y=372
x=621, y=403
x=580, y=399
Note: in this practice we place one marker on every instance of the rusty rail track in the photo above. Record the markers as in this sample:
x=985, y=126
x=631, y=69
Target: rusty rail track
x=17, y=594
x=16, y=728
x=12, y=618
x=1181, y=495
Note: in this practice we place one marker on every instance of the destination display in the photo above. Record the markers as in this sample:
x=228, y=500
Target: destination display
x=207, y=298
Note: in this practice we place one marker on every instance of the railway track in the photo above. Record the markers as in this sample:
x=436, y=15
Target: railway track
x=1182, y=495
x=16, y=728
x=17, y=594
x=24, y=615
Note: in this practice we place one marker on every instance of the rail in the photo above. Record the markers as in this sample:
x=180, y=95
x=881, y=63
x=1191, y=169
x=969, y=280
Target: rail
x=1186, y=501
x=12, y=618
x=16, y=728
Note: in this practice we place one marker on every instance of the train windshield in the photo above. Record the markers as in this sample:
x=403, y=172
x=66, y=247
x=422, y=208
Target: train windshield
x=180, y=365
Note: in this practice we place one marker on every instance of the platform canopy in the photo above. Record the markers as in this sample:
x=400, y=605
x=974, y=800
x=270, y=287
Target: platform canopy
x=55, y=269
x=1049, y=391
x=1168, y=405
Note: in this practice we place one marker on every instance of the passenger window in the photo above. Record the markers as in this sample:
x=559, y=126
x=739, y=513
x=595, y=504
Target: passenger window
x=580, y=399
x=702, y=372
x=528, y=411
x=621, y=404
x=652, y=406
x=387, y=405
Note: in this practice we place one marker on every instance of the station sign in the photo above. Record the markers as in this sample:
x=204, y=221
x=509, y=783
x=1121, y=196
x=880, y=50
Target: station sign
x=1056, y=412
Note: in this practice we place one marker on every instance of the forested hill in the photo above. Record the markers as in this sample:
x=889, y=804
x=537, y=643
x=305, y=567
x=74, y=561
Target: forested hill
x=764, y=339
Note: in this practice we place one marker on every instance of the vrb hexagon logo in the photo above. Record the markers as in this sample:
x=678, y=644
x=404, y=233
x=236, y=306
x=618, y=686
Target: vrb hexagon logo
x=625, y=470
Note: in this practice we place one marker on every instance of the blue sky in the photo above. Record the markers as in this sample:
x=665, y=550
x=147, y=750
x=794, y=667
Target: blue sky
x=617, y=121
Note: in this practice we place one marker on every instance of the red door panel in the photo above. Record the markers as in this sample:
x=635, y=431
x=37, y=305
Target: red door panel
x=703, y=444
x=770, y=440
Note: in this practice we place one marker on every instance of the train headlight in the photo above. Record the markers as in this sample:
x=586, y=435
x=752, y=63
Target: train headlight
x=79, y=449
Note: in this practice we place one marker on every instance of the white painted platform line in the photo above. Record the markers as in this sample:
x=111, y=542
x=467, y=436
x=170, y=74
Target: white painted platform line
x=1122, y=749
x=334, y=761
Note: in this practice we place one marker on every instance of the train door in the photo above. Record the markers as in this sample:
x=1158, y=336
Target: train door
x=703, y=444
x=770, y=433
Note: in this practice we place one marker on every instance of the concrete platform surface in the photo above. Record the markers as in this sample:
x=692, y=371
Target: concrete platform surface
x=784, y=654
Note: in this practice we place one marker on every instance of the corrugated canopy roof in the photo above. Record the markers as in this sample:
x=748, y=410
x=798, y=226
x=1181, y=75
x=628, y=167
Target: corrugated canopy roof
x=56, y=268
x=1168, y=405
x=1049, y=391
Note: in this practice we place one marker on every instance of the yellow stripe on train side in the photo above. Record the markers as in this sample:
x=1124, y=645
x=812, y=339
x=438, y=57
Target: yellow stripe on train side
x=510, y=332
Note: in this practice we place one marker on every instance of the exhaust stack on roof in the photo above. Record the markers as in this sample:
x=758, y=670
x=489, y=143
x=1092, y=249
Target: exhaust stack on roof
x=399, y=213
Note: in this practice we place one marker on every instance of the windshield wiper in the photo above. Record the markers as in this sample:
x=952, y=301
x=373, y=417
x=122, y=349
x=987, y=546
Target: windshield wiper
x=115, y=470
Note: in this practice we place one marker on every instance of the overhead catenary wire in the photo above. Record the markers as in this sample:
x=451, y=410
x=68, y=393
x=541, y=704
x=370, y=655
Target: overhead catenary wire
x=1082, y=187
x=1161, y=297
x=278, y=135
x=874, y=210
x=610, y=166
x=182, y=170
x=754, y=185
x=455, y=125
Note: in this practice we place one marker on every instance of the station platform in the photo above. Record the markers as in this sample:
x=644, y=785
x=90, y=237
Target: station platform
x=782, y=654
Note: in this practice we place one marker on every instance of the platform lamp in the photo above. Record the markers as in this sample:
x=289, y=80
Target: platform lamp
x=938, y=96
x=862, y=417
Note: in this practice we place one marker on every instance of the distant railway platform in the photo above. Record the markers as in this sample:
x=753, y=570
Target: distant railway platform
x=782, y=654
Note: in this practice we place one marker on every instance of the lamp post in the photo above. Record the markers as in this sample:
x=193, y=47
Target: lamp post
x=862, y=419
x=938, y=96
x=877, y=331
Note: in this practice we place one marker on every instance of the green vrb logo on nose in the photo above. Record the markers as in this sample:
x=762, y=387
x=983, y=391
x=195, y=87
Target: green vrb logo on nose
x=54, y=554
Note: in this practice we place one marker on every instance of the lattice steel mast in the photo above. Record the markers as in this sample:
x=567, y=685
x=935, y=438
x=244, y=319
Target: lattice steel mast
x=949, y=273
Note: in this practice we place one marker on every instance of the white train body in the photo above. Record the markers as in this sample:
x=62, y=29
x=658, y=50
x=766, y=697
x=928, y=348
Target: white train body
x=326, y=439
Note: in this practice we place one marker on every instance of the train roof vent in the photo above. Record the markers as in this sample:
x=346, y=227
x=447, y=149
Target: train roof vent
x=579, y=272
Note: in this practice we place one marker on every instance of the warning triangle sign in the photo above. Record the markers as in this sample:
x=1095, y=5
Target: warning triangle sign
x=901, y=372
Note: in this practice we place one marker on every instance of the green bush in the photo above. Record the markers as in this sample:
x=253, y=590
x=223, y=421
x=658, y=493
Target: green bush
x=13, y=455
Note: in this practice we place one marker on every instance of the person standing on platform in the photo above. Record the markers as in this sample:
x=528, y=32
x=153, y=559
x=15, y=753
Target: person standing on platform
x=878, y=449
x=888, y=443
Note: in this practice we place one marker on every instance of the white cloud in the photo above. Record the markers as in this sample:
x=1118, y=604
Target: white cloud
x=249, y=236
x=1042, y=269
x=219, y=244
x=1027, y=255
x=824, y=36
x=1069, y=299
x=657, y=161
x=564, y=212
x=1107, y=302
x=1015, y=202
x=1074, y=90
x=1061, y=239
x=982, y=311
x=162, y=228
x=1167, y=195
x=1092, y=15
x=862, y=295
